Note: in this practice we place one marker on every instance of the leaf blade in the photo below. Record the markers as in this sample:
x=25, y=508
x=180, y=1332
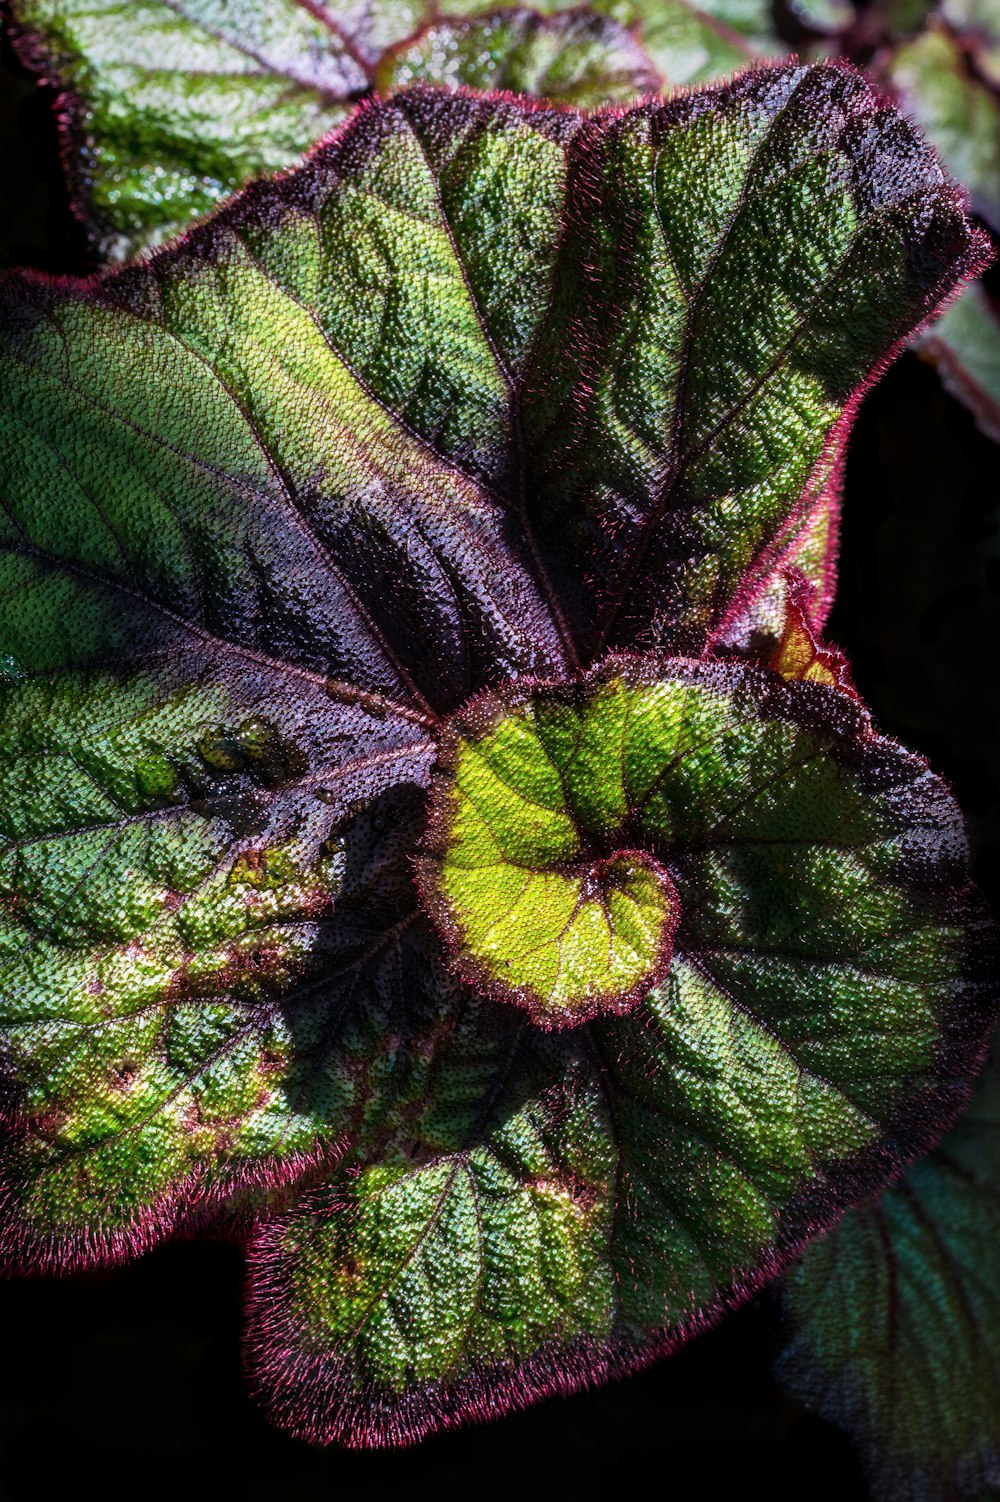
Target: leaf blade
x=713, y=454
x=167, y=872
x=786, y=1087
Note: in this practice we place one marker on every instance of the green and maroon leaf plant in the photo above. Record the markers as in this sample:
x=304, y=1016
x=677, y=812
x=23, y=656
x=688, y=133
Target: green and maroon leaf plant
x=434, y=838
x=166, y=106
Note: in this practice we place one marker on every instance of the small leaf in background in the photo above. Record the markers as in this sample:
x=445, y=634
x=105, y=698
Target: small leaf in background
x=828, y=17
x=978, y=23
x=694, y=43
x=933, y=81
x=894, y=1320
x=578, y=58
x=461, y=407
x=900, y=18
x=964, y=346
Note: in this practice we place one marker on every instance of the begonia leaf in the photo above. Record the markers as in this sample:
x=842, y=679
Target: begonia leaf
x=573, y=1201
x=894, y=1319
x=167, y=876
x=166, y=106
x=432, y=429
x=806, y=569
x=900, y=18
x=828, y=17
x=692, y=43
x=977, y=22
x=581, y=58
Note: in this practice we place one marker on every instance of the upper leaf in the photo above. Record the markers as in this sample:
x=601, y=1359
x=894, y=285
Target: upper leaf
x=166, y=106
x=718, y=352
x=499, y=339
x=894, y=1319
x=149, y=147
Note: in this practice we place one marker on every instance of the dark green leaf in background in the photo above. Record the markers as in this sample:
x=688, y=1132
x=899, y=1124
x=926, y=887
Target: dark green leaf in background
x=894, y=1319
x=933, y=81
x=964, y=345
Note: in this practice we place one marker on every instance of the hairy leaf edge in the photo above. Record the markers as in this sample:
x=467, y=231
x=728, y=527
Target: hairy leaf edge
x=304, y=1393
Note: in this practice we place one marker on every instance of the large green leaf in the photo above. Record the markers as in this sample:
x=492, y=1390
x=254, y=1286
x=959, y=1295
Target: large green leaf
x=574, y=1202
x=894, y=1319
x=457, y=408
x=389, y=341
x=167, y=878
x=168, y=105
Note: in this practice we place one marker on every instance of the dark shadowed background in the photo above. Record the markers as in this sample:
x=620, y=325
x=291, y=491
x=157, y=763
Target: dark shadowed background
x=129, y=1383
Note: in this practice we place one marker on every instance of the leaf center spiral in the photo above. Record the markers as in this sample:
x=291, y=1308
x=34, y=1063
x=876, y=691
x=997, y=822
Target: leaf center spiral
x=527, y=868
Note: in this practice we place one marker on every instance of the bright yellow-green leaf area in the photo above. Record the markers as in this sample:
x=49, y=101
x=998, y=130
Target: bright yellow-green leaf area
x=545, y=908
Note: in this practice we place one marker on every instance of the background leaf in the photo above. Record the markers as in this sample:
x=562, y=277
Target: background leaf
x=894, y=1319
x=978, y=23
x=964, y=346
x=575, y=57
x=933, y=82
x=166, y=108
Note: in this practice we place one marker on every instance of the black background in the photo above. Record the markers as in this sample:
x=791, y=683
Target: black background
x=129, y=1382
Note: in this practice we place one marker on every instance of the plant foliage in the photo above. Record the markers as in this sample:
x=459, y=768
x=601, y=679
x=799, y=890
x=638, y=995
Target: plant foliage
x=478, y=468
x=893, y=1322
x=166, y=106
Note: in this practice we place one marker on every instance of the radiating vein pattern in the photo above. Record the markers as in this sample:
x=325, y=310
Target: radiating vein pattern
x=570, y=1201
x=695, y=424
x=533, y=1000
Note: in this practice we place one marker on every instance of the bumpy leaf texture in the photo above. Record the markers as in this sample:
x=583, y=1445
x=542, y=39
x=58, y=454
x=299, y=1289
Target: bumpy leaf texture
x=894, y=1319
x=420, y=478
x=166, y=106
